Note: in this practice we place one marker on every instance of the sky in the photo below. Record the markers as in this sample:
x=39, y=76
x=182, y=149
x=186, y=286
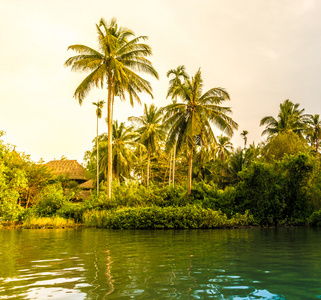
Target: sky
x=262, y=52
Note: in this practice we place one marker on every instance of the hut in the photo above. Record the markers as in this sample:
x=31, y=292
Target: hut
x=73, y=171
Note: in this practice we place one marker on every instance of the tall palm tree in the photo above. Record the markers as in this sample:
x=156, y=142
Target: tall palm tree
x=190, y=121
x=151, y=131
x=99, y=106
x=290, y=118
x=314, y=131
x=123, y=151
x=244, y=134
x=177, y=75
x=120, y=54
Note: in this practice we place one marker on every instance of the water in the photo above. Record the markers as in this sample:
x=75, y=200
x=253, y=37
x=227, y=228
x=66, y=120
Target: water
x=189, y=264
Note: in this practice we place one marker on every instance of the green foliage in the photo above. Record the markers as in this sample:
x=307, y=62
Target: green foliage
x=315, y=219
x=190, y=216
x=46, y=222
x=70, y=210
x=284, y=143
x=275, y=193
x=133, y=194
x=13, y=183
x=50, y=200
x=260, y=193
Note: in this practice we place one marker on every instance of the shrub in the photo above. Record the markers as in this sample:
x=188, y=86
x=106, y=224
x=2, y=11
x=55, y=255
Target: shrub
x=315, y=219
x=154, y=217
x=71, y=210
x=50, y=200
x=275, y=192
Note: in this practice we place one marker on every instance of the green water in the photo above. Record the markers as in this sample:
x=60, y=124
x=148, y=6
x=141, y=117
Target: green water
x=189, y=264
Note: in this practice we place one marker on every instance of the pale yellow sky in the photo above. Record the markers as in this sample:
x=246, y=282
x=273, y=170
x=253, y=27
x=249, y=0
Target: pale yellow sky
x=262, y=52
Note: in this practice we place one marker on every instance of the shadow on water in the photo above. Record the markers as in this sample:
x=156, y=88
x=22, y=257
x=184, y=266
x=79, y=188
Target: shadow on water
x=255, y=263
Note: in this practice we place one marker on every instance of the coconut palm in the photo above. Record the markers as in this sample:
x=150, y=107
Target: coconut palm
x=224, y=147
x=190, y=122
x=239, y=160
x=123, y=151
x=203, y=164
x=314, y=131
x=151, y=131
x=99, y=106
x=120, y=54
x=178, y=74
x=290, y=118
x=244, y=134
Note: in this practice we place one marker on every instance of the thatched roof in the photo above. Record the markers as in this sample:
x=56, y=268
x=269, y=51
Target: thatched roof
x=70, y=168
x=87, y=185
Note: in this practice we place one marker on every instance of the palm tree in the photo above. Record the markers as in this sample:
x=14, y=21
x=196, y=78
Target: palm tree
x=290, y=118
x=223, y=147
x=239, y=160
x=120, y=55
x=203, y=164
x=190, y=121
x=99, y=105
x=123, y=151
x=151, y=131
x=314, y=131
x=178, y=74
x=174, y=84
x=244, y=134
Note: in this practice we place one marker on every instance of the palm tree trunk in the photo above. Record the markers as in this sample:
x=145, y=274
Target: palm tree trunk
x=141, y=166
x=97, y=160
x=190, y=165
x=170, y=169
x=110, y=157
x=28, y=199
x=148, y=163
x=174, y=152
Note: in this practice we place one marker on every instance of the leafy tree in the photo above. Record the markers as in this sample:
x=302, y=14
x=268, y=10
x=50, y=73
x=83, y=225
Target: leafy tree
x=38, y=177
x=190, y=121
x=284, y=143
x=275, y=192
x=151, y=131
x=120, y=55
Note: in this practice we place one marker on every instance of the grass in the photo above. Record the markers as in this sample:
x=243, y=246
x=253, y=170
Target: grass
x=40, y=222
x=46, y=222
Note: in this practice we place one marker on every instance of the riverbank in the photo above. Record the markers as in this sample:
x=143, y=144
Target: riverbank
x=41, y=223
x=187, y=217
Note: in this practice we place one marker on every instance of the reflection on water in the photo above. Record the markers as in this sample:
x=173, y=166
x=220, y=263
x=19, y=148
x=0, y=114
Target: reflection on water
x=188, y=264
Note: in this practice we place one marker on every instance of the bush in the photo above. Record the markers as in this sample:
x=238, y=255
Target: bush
x=154, y=217
x=315, y=219
x=71, y=210
x=50, y=200
x=275, y=192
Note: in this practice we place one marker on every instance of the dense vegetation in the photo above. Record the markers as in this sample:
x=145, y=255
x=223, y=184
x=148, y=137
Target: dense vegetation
x=274, y=183
x=169, y=169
